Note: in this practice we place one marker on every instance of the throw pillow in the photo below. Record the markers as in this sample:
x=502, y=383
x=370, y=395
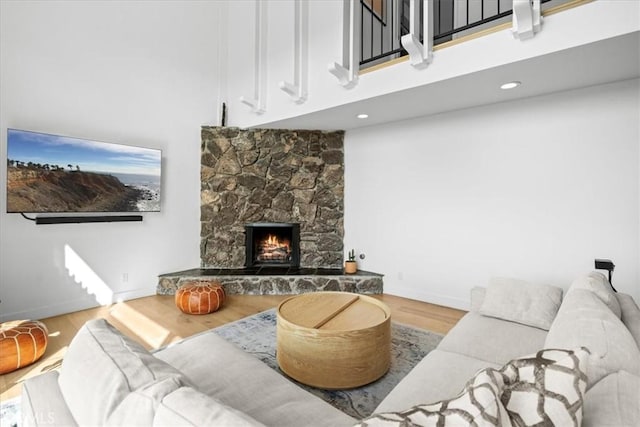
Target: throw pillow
x=597, y=283
x=521, y=302
x=479, y=405
x=546, y=388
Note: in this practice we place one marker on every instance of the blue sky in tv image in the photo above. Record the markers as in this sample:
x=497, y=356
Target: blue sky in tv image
x=133, y=166
x=90, y=156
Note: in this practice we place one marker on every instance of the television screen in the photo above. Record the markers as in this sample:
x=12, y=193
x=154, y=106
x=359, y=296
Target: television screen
x=50, y=173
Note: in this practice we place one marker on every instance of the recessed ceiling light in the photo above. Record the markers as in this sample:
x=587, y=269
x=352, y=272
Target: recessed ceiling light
x=362, y=116
x=510, y=85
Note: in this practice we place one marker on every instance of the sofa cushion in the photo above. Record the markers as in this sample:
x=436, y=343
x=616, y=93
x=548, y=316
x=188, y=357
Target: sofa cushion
x=138, y=408
x=630, y=315
x=189, y=407
x=492, y=339
x=597, y=283
x=477, y=298
x=440, y=375
x=585, y=321
x=521, y=302
x=101, y=367
x=613, y=402
x=239, y=380
x=42, y=403
x=543, y=389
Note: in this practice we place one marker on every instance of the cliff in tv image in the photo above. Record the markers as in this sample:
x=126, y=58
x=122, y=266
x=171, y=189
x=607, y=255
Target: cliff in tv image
x=36, y=188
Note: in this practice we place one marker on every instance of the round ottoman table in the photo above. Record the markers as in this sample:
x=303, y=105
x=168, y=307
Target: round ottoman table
x=22, y=342
x=200, y=297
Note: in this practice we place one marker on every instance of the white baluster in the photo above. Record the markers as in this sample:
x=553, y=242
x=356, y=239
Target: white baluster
x=420, y=54
x=347, y=72
x=298, y=90
x=257, y=101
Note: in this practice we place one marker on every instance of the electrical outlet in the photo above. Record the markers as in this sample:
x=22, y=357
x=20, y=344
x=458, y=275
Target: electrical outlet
x=125, y=277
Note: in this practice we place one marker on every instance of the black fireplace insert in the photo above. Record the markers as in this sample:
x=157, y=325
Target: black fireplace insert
x=272, y=244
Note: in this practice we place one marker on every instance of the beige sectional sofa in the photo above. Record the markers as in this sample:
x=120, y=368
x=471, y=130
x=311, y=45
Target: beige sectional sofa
x=107, y=379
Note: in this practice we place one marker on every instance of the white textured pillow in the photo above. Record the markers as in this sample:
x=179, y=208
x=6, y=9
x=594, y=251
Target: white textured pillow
x=597, y=283
x=189, y=407
x=521, y=302
x=102, y=367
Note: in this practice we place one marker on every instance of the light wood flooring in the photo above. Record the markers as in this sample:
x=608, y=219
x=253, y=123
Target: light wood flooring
x=155, y=321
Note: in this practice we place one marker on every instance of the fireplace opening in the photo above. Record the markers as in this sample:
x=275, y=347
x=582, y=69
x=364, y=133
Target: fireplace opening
x=272, y=244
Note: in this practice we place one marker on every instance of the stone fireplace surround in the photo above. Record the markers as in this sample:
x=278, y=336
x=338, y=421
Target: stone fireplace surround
x=275, y=176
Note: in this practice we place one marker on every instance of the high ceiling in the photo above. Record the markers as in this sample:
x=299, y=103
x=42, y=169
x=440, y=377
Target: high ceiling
x=605, y=61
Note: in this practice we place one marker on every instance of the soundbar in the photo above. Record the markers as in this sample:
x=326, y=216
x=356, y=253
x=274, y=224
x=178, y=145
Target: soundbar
x=80, y=219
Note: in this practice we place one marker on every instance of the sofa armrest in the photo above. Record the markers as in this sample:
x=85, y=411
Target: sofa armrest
x=43, y=403
x=477, y=297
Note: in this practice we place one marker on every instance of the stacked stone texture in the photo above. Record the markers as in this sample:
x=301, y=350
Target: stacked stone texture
x=365, y=283
x=271, y=175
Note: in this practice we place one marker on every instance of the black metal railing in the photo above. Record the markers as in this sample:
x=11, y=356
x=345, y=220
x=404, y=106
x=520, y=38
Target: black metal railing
x=384, y=22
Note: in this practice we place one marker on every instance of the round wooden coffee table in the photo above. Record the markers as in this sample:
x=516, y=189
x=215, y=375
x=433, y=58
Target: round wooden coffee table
x=334, y=340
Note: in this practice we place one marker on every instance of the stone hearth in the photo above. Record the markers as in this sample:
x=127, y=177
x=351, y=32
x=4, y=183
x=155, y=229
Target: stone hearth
x=267, y=281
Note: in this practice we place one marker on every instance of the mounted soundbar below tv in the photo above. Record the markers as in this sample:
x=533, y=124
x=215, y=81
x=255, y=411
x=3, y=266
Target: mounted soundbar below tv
x=55, y=174
x=81, y=219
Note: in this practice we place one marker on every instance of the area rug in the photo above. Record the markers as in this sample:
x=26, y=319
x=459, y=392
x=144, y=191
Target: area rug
x=257, y=335
x=10, y=412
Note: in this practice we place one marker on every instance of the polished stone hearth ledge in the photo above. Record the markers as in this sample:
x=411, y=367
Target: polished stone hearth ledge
x=274, y=281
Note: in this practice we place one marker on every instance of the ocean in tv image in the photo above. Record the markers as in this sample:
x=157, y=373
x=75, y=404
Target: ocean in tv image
x=51, y=173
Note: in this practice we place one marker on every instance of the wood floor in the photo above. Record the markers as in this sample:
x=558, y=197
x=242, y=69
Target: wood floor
x=155, y=321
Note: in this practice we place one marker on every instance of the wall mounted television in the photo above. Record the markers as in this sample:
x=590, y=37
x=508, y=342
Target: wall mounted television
x=58, y=174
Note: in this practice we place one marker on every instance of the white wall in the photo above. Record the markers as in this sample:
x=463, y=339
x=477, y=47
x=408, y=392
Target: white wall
x=138, y=73
x=534, y=189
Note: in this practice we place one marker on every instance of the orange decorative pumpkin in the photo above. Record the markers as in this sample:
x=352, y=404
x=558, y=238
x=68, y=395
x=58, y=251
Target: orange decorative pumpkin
x=200, y=297
x=22, y=342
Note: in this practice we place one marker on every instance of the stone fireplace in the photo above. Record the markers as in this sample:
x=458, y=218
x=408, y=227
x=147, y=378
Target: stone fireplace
x=272, y=176
x=271, y=214
x=272, y=244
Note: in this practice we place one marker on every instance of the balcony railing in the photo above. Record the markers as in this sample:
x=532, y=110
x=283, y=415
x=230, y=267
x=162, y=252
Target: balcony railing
x=384, y=22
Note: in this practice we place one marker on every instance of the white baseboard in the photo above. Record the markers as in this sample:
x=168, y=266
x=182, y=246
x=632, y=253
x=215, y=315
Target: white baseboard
x=50, y=310
x=133, y=294
x=71, y=306
x=421, y=295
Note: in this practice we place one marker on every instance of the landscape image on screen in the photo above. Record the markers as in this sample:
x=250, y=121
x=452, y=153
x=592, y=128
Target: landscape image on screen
x=50, y=173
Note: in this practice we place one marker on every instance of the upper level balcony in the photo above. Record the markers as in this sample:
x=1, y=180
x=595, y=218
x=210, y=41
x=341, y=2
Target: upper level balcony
x=322, y=66
x=383, y=23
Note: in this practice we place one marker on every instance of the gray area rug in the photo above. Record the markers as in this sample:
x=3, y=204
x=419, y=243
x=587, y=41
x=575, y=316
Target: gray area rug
x=10, y=412
x=257, y=335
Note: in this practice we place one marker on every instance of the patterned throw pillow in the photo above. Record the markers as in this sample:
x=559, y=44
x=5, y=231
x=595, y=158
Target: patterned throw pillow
x=545, y=389
x=479, y=405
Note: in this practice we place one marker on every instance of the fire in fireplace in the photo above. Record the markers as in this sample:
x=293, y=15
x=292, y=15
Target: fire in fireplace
x=272, y=244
